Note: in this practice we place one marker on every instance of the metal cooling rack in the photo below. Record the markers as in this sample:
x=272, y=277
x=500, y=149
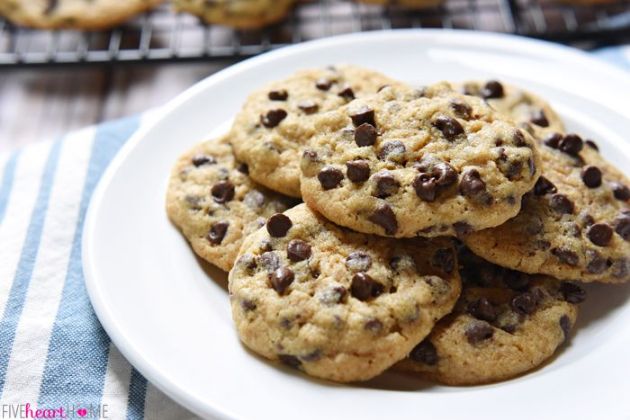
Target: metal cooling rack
x=164, y=36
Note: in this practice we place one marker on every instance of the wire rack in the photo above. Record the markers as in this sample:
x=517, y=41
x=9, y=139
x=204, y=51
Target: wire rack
x=162, y=35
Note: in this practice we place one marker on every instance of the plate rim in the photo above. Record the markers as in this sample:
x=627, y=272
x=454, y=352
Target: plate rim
x=533, y=48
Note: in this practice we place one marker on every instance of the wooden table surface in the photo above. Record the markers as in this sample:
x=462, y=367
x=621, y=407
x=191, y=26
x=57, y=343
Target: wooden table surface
x=41, y=104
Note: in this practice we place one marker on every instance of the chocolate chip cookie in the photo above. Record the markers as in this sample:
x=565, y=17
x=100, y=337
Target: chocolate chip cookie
x=504, y=324
x=338, y=304
x=278, y=120
x=79, y=14
x=215, y=203
x=574, y=225
x=520, y=105
x=408, y=162
x=242, y=14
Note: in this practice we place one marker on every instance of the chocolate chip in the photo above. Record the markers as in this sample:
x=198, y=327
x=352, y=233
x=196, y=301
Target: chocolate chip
x=462, y=228
x=247, y=305
x=620, y=268
x=310, y=155
x=515, y=280
x=479, y=331
x=298, y=250
x=525, y=303
x=492, y=89
x=600, y=234
x=222, y=191
x=346, y=93
x=385, y=218
x=544, y=186
x=572, y=293
x=592, y=176
x=471, y=184
x=358, y=261
x=532, y=166
x=199, y=160
x=561, y=204
x=435, y=176
x=243, y=168
x=392, y=150
x=362, y=116
x=425, y=187
x=571, y=144
x=358, y=170
x=278, y=95
x=552, y=140
x=374, y=325
x=194, y=202
x=566, y=256
x=385, y=184
x=273, y=117
x=365, y=135
x=482, y=309
x=565, y=326
x=513, y=170
x=620, y=191
x=596, y=264
x=217, y=232
x=51, y=6
x=450, y=127
x=270, y=261
x=290, y=361
x=324, y=84
x=519, y=139
x=424, y=352
x=461, y=108
x=444, y=259
x=539, y=118
x=278, y=225
x=308, y=106
x=330, y=177
x=363, y=287
x=622, y=226
x=281, y=279
x=592, y=145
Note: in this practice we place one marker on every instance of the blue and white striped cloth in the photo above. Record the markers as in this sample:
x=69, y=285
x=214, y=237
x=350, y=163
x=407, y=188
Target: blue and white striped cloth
x=53, y=351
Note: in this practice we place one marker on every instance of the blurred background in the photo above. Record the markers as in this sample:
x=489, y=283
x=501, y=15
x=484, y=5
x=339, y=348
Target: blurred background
x=56, y=80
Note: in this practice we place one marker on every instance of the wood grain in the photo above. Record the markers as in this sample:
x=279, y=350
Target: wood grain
x=41, y=104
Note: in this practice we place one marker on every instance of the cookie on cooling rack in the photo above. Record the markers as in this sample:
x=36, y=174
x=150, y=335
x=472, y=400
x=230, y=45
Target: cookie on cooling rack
x=73, y=14
x=338, y=304
x=409, y=4
x=242, y=14
x=589, y=2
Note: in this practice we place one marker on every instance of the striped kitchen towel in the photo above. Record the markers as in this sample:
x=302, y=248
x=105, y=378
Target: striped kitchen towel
x=54, y=354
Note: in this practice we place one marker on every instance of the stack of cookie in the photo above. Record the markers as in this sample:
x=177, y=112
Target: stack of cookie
x=443, y=230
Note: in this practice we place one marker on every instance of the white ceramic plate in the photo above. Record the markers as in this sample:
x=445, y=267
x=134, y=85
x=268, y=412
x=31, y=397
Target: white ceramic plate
x=169, y=314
